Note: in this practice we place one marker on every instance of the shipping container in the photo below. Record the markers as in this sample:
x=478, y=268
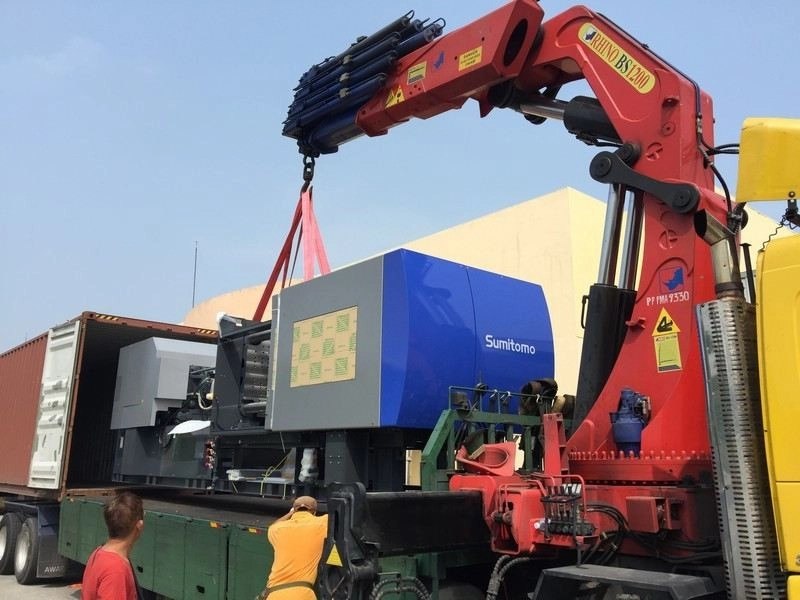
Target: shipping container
x=57, y=395
x=20, y=384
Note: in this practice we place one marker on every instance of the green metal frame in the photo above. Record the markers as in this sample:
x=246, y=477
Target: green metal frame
x=438, y=464
x=434, y=477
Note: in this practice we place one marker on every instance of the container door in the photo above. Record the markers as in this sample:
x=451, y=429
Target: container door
x=54, y=406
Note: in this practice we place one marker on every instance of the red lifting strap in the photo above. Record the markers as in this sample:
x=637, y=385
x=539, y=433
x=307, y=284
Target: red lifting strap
x=304, y=224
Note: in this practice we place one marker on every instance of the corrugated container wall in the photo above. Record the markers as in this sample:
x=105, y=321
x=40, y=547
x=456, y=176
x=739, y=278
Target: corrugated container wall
x=20, y=381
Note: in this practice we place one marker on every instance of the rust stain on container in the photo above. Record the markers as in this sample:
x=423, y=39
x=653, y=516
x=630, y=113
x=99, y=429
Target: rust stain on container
x=20, y=380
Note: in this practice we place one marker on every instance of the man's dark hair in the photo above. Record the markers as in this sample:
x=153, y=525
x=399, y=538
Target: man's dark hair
x=121, y=514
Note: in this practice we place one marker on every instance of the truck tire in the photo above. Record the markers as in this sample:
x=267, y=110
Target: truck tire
x=10, y=524
x=26, y=554
x=460, y=591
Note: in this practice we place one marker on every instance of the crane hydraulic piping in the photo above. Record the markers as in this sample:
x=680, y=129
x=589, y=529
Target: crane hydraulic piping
x=639, y=455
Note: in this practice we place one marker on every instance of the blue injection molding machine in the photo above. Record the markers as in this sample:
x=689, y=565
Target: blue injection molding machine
x=379, y=343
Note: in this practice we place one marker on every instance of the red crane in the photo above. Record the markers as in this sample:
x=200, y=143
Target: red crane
x=639, y=456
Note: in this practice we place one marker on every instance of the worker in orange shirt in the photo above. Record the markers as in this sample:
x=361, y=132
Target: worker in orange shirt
x=297, y=539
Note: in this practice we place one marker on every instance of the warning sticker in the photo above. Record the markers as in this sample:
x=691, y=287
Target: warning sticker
x=665, y=325
x=334, y=558
x=666, y=344
x=417, y=72
x=395, y=97
x=668, y=353
x=470, y=58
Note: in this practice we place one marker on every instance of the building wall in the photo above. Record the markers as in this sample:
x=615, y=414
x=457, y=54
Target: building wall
x=239, y=303
x=552, y=240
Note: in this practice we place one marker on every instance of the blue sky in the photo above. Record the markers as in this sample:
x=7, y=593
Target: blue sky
x=131, y=130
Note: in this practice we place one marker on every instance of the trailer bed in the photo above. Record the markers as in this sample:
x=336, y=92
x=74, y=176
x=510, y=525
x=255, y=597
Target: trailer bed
x=192, y=546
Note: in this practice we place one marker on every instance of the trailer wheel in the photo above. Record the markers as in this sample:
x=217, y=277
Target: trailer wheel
x=460, y=591
x=27, y=552
x=10, y=524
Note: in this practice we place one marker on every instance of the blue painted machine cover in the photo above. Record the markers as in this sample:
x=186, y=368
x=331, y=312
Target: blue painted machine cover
x=446, y=324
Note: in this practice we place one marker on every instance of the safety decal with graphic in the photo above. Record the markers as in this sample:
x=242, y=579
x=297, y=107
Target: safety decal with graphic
x=395, y=97
x=334, y=558
x=666, y=343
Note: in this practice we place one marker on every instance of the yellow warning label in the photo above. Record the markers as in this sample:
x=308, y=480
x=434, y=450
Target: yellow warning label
x=334, y=558
x=417, y=72
x=668, y=352
x=665, y=325
x=395, y=97
x=470, y=58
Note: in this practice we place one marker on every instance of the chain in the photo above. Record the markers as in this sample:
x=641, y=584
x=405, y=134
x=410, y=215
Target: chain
x=789, y=219
x=308, y=170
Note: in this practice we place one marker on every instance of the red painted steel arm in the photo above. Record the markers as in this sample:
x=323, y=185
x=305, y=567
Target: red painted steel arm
x=455, y=67
x=648, y=101
x=660, y=110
